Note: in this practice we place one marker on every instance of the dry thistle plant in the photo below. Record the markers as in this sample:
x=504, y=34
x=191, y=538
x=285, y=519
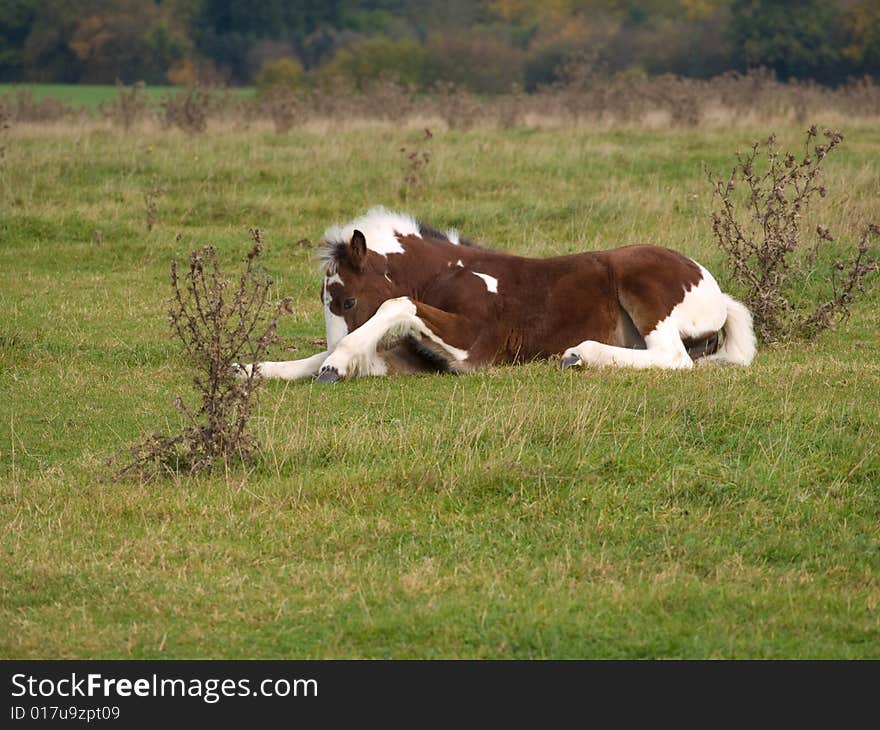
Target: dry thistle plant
x=845, y=286
x=415, y=162
x=334, y=98
x=284, y=107
x=129, y=106
x=459, y=108
x=5, y=116
x=218, y=322
x=681, y=97
x=510, y=107
x=387, y=99
x=23, y=107
x=151, y=204
x=188, y=109
x=759, y=226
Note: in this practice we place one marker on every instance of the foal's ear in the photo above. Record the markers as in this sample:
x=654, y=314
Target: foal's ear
x=358, y=249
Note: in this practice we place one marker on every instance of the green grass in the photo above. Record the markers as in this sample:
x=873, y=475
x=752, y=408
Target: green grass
x=516, y=513
x=89, y=96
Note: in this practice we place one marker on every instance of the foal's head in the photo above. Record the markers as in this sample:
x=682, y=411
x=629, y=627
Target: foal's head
x=355, y=285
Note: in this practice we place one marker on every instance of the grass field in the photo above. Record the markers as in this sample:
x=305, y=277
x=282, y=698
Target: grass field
x=78, y=95
x=90, y=96
x=517, y=513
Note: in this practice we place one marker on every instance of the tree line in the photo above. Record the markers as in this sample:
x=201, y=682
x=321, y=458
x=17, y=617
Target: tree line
x=486, y=46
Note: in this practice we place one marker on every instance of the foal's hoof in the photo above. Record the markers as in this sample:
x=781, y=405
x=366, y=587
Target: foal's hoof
x=570, y=361
x=328, y=375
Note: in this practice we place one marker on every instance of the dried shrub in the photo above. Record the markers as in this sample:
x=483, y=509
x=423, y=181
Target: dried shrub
x=858, y=98
x=129, y=106
x=5, y=125
x=585, y=92
x=759, y=225
x=23, y=107
x=284, y=107
x=456, y=106
x=847, y=281
x=227, y=106
x=151, y=204
x=742, y=94
x=335, y=98
x=241, y=111
x=388, y=99
x=415, y=162
x=188, y=110
x=681, y=98
x=218, y=322
x=510, y=108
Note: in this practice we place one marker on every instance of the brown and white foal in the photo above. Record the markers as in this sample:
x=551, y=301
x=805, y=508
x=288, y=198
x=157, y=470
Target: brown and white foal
x=453, y=306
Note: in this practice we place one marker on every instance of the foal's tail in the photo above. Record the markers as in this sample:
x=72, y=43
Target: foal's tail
x=738, y=347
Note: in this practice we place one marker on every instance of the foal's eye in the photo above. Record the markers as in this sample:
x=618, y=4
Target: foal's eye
x=349, y=303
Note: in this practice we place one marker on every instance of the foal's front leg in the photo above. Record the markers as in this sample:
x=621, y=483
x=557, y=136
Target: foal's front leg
x=356, y=352
x=287, y=370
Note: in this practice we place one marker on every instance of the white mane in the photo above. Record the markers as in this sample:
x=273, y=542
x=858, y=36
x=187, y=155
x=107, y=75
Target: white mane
x=379, y=226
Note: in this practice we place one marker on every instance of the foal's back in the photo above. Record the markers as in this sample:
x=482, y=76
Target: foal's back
x=615, y=297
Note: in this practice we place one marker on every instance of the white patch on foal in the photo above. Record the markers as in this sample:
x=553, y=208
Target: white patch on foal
x=703, y=311
x=380, y=227
x=491, y=281
x=452, y=235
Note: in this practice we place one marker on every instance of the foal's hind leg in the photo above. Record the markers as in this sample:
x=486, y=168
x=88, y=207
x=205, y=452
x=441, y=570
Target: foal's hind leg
x=700, y=314
x=664, y=350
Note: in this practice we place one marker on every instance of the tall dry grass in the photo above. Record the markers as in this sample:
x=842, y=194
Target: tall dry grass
x=584, y=96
